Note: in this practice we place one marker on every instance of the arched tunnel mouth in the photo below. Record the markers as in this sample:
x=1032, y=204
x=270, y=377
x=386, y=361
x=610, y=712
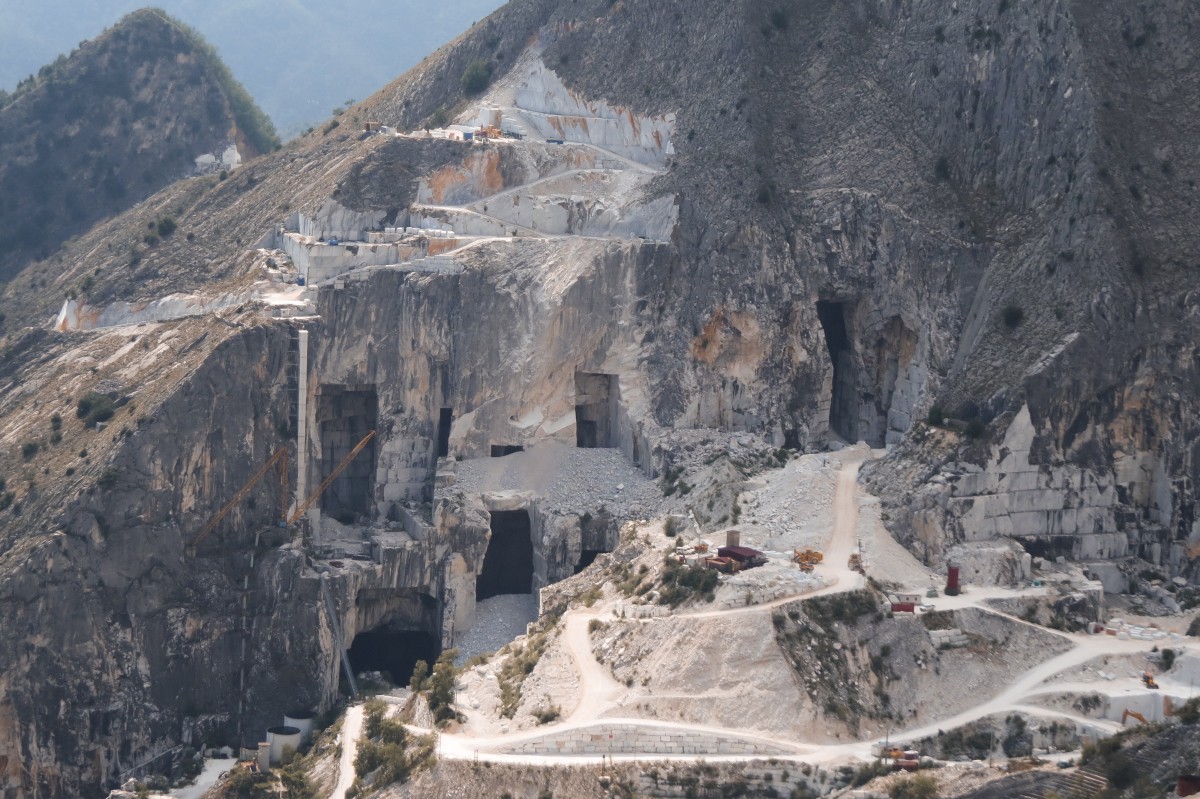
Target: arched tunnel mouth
x=393, y=652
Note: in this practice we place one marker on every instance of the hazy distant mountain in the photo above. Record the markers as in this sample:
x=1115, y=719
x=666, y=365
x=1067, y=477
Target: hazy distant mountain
x=298, y=58
x=126, y=114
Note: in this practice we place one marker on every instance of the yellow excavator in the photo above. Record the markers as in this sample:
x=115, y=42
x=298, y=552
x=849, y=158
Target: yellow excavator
x=1132, y=714
x=1148, y=680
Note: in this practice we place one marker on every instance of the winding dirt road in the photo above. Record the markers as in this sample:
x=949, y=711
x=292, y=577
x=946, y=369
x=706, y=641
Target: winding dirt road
x=599, y=691
x=351, y=730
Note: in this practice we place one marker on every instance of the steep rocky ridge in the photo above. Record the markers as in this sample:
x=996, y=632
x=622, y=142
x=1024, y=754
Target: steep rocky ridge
x=126, y=114
x=862, y=192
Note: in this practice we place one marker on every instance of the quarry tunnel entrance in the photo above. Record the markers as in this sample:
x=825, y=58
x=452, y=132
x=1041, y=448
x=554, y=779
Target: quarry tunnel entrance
x=587, y=557
x=596, y=398
x=345, y=415
x=445, y=422
x=393, y=652
x=843, y=407
x=873, y=387
x=508, y=562
x=397, y=627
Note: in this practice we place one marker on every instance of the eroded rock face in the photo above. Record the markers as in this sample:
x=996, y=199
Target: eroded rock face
x=1086, y=467
x=866, y=210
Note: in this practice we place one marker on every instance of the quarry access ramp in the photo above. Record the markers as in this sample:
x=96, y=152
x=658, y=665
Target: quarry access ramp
x=586, y=734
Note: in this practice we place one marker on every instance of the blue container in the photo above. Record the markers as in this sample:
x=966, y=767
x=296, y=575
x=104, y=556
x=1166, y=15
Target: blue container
x=300, y=280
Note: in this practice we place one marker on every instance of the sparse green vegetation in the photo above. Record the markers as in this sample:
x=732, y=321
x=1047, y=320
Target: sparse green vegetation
x=920, y=786
x=519, y=665
x=389, y=754
x=681, y=583
x=936, y=416
x=441, y=688
x=869, y=771
x=1189, y=712
x=1016, y=743
x=476, y=77
x=244, y=784
x=670, y=482
x=420, y=675
x=1012, y=315
x=29, y=449
x=94, y=408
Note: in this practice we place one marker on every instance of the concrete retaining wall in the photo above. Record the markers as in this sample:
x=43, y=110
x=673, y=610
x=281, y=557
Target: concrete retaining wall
x=613, y=739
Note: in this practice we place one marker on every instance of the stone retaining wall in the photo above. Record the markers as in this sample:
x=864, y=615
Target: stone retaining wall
x=629, y=740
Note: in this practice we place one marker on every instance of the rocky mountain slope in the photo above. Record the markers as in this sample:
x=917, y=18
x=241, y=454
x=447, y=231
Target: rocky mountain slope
x=293, y=88
x=97, y=132
x=800, y=222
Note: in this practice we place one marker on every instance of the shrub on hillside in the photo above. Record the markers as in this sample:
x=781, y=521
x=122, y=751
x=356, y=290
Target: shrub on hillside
x=476, y=77
x=921, y=786
x=94, y=408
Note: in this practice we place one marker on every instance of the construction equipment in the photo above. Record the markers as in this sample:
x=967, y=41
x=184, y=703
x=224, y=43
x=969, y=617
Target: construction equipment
x=341, y=467
x=807, y=558
x=280, y=459
x=489, y=132
x=1148, y=680
x=1128, y=714
x=855, y=563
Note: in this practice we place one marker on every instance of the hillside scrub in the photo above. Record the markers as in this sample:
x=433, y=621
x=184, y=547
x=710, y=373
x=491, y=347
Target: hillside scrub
x=389, y=754
x=253, y=123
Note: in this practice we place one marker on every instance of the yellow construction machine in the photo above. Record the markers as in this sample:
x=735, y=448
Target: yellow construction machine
x=807, y=558
x=1132, y=714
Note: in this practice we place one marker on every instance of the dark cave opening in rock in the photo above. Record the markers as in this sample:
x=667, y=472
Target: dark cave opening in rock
x=587, y=557
x=595, y=410
x=392, y=652
x=500, y=450
x=843, y=408
x=508, y=563
x=345, y=415
x=445, y=421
